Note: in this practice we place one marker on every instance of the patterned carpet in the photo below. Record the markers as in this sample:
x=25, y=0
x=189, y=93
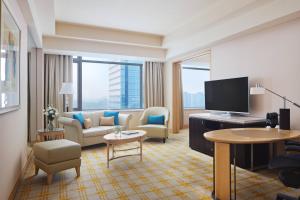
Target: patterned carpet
x=168, y=171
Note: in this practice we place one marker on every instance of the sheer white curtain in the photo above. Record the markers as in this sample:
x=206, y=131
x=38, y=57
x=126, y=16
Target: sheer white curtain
x=58, y=69
x=154, y=84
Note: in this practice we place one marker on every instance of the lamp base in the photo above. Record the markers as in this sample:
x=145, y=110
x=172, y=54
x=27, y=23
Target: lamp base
x=284, y=120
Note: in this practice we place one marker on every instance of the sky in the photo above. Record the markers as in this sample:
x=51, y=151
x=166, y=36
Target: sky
x=192, y=80
x=94, y=84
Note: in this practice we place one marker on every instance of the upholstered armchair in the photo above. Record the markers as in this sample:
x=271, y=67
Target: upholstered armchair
x=155, y=130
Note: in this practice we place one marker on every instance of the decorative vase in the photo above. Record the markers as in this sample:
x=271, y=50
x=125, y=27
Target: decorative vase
x=50, y=125
x=118, y=130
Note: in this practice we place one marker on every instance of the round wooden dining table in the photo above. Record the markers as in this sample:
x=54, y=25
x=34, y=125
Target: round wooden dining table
x=225, y=137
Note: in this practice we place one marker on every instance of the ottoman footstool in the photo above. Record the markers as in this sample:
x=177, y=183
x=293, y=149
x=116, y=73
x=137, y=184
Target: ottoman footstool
x=56, y=155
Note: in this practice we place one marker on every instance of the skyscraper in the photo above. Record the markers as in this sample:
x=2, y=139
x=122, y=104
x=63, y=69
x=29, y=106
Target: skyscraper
x=125, y=86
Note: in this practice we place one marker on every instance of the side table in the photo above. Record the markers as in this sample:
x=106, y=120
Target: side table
x=46, y=134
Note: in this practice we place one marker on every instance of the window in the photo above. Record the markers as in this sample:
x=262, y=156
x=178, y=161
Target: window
x=193, y=79
x=104, y=84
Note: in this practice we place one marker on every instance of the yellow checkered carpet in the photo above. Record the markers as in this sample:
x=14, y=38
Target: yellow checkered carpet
x=168, y=171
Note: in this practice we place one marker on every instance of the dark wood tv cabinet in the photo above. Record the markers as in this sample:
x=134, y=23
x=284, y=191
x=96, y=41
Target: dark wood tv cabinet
x=248, y=156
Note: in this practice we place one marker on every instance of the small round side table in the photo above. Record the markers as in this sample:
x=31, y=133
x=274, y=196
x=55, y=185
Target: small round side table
x=46, y=134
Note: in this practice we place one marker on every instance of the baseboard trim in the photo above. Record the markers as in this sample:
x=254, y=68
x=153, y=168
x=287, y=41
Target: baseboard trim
x=20, y=178
x=186, y=126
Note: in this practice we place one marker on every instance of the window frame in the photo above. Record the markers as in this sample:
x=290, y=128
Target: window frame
x=79, y=62
x=195, y=68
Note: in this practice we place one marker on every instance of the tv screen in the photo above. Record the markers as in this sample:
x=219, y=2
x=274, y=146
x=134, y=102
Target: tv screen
x=230, y=95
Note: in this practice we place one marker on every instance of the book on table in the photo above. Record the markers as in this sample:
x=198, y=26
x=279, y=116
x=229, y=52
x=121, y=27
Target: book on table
x=129, y=132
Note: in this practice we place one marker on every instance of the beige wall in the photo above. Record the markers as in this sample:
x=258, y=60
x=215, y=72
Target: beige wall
x=270, y=57
x=107, y=34
x=76, y=46
x=13, y=125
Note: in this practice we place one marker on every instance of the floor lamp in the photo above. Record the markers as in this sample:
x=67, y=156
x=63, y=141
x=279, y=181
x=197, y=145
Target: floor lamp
x=284, y=113
x=66, y=89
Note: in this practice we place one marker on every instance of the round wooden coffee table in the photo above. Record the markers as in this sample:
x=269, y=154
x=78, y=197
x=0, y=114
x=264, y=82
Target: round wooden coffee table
x=113, y=139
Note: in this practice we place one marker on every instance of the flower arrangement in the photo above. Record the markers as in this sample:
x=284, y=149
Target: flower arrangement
x=117, y=130
x=51, y=113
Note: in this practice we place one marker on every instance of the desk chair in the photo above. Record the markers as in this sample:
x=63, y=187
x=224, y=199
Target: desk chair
x=292, y=146
x=289, y=166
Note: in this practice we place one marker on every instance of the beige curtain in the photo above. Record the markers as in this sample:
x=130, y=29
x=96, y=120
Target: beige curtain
x=58, y=69
x=177, y=122
x=154, y=84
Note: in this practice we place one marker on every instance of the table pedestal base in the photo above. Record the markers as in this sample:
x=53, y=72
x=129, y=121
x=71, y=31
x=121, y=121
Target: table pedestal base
x=222, y=171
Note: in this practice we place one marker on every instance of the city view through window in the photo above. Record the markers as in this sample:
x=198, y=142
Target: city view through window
x=104, y=84
x=193, y=79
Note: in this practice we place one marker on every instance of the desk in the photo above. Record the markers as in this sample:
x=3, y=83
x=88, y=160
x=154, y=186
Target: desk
x=223, y=138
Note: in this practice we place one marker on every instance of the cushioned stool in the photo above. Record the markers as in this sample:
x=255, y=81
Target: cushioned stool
x=56, y=155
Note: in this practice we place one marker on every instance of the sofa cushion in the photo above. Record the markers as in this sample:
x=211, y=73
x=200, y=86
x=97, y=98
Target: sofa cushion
x=107, y=121
x=87, y=123
x=112, y=114
x=80, y=118
x=56, y=151
x=97, y=131
x=95, y=116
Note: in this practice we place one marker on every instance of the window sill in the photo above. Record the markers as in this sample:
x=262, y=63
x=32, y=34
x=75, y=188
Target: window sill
x=194, y=109
x=120, y=110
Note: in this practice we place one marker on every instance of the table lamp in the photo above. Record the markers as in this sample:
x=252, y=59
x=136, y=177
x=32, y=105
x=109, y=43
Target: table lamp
x=66, y=89
x=284, y=113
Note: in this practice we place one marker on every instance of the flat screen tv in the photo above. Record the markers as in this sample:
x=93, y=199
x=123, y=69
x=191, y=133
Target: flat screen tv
x=228, y=95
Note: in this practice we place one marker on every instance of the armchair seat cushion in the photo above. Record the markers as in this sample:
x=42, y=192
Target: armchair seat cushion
x=154, y=130
x=98, y=131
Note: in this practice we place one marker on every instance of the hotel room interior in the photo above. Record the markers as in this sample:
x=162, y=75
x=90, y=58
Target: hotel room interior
x=152, y=99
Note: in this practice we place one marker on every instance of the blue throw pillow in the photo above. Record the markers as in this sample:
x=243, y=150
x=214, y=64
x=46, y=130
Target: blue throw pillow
x=112, y=114
x=156, y=119
x=80, y=118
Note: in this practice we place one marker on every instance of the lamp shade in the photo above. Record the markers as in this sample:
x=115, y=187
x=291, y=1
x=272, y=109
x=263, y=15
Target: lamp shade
x=257, y=90
x=66, y=88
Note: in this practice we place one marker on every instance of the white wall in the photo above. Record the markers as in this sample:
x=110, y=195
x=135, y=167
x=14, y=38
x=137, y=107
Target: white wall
x=270, y=57
x=13, y=125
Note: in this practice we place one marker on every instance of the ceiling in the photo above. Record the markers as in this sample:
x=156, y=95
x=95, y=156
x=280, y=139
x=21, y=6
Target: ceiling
x=181, y=26
x=152, y=16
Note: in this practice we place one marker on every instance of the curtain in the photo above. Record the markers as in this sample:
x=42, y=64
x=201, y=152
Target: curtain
x=154, y=84
x=177, y=123
x=58, y=69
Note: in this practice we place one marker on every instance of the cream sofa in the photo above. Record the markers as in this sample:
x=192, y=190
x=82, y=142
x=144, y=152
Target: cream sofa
x=93, y=135
x=155, y=130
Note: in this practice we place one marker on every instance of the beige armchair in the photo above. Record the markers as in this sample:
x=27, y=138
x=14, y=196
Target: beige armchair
x=155, y=130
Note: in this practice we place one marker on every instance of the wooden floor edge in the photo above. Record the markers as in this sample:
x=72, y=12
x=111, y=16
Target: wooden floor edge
x=17, y=184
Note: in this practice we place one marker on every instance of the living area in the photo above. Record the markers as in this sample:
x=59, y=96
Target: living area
x=150, y=100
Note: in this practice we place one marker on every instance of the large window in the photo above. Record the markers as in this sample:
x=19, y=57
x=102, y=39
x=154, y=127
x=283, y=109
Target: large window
x=106, y=84
x=193, y=78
